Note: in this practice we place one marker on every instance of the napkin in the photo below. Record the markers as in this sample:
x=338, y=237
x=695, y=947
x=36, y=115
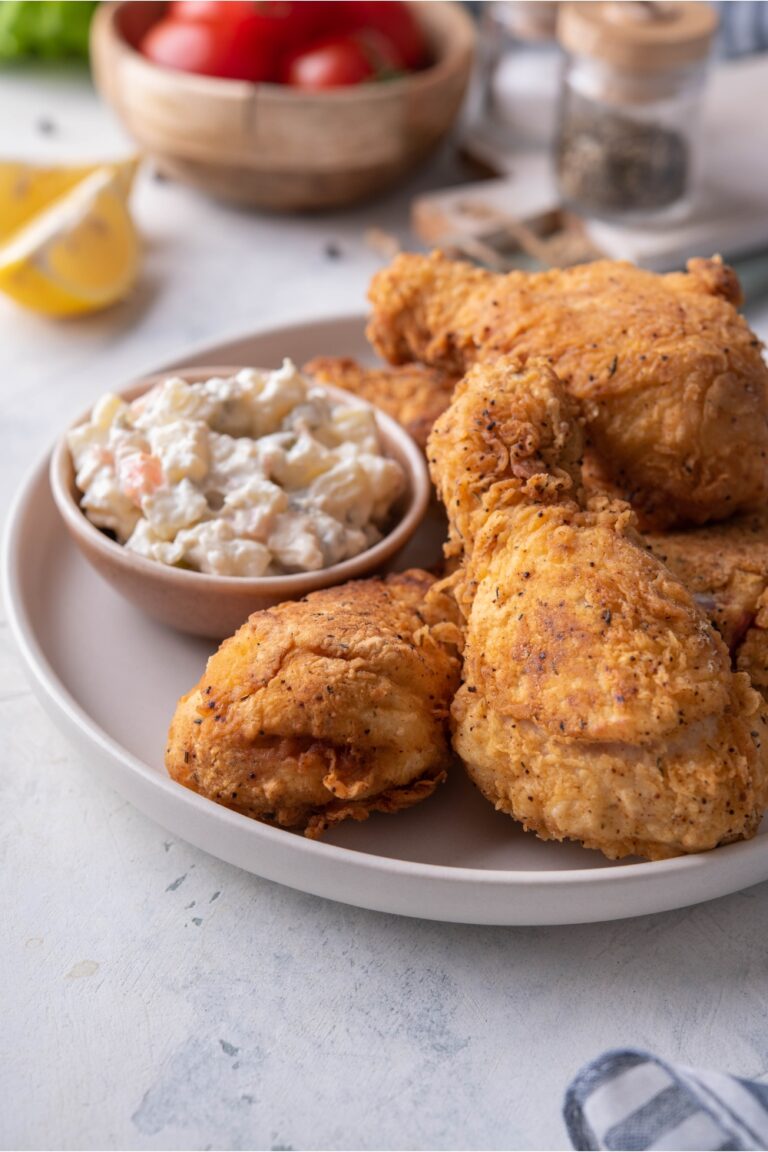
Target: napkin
x=628, y=1099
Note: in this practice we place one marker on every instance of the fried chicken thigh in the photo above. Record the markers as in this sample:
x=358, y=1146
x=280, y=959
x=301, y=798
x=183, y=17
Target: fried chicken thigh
x=598, y=703
x=669, y=375
x=412, y=394
x=327, y=708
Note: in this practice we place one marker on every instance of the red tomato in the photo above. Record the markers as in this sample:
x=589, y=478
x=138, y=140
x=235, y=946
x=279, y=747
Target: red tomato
x=395, y=21
x=338, y=61
x=232, y=49
x=331, y=17
x=209, y=9
x=268, y=28
x=287, y=24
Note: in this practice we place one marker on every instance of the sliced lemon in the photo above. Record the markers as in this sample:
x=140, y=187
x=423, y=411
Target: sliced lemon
x=80, y=252
x=25, y=189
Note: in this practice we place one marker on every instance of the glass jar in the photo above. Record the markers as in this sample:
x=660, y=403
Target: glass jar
x=520, y=71
x=630, y=101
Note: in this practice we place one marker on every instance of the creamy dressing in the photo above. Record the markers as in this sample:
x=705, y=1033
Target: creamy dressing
x=257, y=474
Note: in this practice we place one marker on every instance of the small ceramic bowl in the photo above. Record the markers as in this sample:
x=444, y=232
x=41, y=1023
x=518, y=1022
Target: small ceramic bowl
x=216, y=606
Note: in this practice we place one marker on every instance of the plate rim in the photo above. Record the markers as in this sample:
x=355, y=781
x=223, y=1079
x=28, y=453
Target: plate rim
x=47, y=682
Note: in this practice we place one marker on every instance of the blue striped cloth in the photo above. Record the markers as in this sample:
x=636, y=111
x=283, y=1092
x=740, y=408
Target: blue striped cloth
x=629, y=1099
x=743, y=27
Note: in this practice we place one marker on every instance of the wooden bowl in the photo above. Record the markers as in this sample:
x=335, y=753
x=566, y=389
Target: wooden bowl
x=216, y=606
x=272, y=146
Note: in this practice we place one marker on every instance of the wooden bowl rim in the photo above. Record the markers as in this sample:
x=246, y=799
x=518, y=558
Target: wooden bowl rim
x=105, y=23
x=289, y=586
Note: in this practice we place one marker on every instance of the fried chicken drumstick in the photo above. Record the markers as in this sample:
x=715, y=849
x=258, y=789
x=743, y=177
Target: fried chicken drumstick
x=598, y=703
x=669, y=375
x=327, y=708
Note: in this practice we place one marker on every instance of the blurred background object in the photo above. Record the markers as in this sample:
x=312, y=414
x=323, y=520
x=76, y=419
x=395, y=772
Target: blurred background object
x=276, y=146
x=50, y=29
x=743, y=27
x=630, y=103
x=645, y=152
x=520, y=62
x=586, y=114
x=519, y=71
x=615, y=88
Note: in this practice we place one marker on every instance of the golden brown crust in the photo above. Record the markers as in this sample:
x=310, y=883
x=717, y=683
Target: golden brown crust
x=585, y=593
x=716, y=278
x=390, y=801
x=671, y=379
x=725, y=567
x=510, y=426
x=412, y=394
x=597, y=702
x=752, y=652
x=326, y=708
x=653, y=802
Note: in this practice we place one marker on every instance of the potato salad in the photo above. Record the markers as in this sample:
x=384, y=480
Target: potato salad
x=258, y=474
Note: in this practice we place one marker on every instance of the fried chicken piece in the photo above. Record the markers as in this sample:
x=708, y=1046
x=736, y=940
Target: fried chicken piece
x=327, y=708
x=752, y=653
x=412, y=394
x=670, y=377
x=725, y=567
x=598, y=704
x=506, y=427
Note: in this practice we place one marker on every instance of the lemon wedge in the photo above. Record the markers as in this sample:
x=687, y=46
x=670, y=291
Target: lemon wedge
x=72, y=246
x=25, y=189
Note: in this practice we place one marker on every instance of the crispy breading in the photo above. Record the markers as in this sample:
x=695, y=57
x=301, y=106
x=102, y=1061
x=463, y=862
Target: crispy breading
x=725, y=567
x=752, y=653
x=597, y=703
x=506, y=426
x=670, y=377
x=327, y=708
x=412, y=394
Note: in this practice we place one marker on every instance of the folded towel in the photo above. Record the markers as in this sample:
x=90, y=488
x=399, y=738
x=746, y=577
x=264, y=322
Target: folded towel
x=629, y=1099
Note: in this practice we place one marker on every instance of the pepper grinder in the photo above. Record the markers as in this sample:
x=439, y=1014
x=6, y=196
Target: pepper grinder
x=630, y=100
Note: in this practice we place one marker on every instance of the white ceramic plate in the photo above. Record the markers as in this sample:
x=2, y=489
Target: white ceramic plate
x=110, y=678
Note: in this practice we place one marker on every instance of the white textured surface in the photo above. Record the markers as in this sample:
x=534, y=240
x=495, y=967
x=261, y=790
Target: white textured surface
x=156, y=998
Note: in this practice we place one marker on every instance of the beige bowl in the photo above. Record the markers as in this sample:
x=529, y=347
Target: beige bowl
x=215, y=606
x=272, y=146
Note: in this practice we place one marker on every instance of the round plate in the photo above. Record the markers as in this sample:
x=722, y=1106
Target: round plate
x=110, y=678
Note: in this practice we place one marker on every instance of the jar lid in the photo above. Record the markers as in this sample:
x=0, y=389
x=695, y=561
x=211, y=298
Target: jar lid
x=636, y=35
